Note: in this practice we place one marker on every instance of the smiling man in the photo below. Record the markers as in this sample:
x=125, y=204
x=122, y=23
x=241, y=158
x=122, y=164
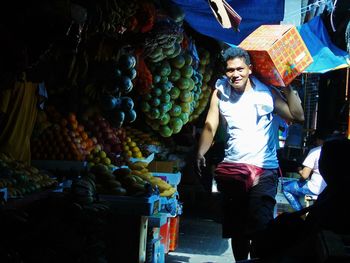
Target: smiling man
x=247, y=177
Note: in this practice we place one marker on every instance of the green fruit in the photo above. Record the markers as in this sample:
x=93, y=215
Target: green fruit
x=191, y=84
x=156, y=92
x=188, y=59
x=174, y=93
x=145, y=107
x=183, y=83
x=155, y=102
x=165, y=131
x=175, y=110
x=165, y=97
x=175, y=75
x=206, y=78
x=164, y=79
x=185, y=107
x=164, y=69
x=165, y=87
x=187, y=71
x=154, y=113
x=178, y=61
x=164, y=119
x=169, y=51
x=184, y=116
x=176, y=124
x=186, y=96
x=177, y=50
x=156, y=79
x=156, y=52
x=147, y=97
x=165, y=107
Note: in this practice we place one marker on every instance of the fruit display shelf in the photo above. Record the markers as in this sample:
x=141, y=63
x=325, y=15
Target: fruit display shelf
x=60, y=165
x=133, y=205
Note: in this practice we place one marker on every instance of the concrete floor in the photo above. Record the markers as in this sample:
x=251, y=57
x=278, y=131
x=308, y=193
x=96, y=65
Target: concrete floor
x=200, y=242
x=200, y=238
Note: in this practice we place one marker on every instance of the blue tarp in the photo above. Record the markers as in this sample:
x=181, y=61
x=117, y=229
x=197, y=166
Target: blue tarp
x=325, y=54
x=254, y=13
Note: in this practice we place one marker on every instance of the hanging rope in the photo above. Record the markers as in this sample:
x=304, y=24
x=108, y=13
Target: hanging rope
x=332, y=24
x=347, y=37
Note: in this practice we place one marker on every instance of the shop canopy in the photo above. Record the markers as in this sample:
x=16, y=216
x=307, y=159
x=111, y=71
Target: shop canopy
x=325, y=54
x=254, y=13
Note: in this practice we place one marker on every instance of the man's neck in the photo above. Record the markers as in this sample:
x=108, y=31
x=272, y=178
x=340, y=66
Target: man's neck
x=247, y=87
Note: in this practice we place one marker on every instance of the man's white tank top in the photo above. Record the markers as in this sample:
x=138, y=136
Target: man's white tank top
x=248, y=119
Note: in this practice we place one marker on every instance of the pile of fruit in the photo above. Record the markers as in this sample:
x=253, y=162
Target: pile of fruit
x=174, y=94
x=64, y=138
x=21, y=179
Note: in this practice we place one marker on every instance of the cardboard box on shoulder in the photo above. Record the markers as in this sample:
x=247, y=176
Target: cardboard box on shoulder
x=278, y=53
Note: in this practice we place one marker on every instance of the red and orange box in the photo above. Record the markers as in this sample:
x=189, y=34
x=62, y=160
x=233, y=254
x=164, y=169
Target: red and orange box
x=278, y=53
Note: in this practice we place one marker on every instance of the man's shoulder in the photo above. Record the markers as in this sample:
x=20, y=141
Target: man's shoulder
x=259, y=85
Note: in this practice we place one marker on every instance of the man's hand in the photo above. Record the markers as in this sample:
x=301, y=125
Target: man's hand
x=200, y=161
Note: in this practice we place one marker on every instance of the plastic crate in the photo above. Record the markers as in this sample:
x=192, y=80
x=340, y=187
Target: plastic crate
x=174, y=233
x=157, y=220
x=165, y=235
x=158, y=252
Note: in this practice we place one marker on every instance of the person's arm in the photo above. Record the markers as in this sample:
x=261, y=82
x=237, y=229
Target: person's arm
x=291, y=108
x=209, y=130
x=305, y=172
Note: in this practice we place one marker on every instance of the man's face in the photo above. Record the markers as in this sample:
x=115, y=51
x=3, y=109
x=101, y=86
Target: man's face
x=238, y=73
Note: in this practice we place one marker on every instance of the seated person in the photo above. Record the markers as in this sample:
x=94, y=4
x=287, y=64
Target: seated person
x=311, y=181
x=291, y=239
x=330, y=210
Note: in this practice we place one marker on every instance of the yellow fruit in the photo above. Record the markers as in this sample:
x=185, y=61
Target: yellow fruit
x=138, y=155
x=128, y=154
x=106, y=161
x=97, y=159
x=135, y=149
x=126, y=148
x=132, y=144
x=103, y=154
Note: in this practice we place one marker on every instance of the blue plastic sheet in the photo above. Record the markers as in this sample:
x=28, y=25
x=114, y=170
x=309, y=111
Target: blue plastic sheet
x=254, y=13
x=325, y=54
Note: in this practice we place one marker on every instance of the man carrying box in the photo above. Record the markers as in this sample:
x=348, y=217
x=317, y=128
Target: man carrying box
x=247, y=177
